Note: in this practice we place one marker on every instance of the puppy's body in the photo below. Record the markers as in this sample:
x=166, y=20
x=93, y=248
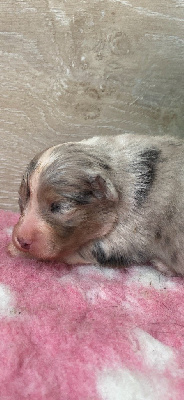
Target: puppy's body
x=115, y=201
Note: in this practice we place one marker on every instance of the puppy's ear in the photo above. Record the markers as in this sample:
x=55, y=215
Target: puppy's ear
x=102, y=188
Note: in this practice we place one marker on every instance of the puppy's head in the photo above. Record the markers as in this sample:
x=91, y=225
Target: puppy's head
x=66, y=200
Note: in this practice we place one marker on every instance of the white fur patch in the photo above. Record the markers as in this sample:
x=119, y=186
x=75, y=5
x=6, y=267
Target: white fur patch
x=95, y=294
x=6, y=301
x=108, y=273
x=155, y=354
x=149, y=277
x=123, y=384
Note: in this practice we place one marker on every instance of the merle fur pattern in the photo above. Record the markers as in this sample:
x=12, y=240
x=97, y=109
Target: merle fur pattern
x=134, y=183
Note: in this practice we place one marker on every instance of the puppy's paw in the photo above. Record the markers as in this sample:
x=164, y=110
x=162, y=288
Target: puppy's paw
x=75, y=258
x=164, y=269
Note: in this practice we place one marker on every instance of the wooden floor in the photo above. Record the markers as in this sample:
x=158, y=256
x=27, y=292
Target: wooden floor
x=74, y=69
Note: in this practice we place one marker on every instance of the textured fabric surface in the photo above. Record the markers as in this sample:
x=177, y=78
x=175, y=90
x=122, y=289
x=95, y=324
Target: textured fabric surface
x=86, y=333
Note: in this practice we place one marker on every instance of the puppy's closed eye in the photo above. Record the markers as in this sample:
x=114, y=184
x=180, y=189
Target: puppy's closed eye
x=60, y=207
x=55, y=207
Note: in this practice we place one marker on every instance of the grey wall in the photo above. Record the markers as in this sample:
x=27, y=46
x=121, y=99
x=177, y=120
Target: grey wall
x=72, y=69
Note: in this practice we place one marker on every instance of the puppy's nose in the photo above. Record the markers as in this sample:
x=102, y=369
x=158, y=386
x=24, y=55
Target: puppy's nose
x=25, y=244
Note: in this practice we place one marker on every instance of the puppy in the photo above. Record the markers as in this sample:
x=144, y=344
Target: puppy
x=115, y=201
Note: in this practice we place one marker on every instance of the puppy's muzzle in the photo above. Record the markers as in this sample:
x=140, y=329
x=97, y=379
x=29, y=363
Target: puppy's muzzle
x=23, y=244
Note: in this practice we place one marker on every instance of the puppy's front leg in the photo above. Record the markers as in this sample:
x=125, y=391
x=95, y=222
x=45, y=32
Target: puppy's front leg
x=109, y=252
x=100, y=251
x=85, y=255
x=77, y=258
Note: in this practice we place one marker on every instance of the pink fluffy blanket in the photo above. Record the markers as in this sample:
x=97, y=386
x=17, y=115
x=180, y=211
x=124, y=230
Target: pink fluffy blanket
x=87, y=333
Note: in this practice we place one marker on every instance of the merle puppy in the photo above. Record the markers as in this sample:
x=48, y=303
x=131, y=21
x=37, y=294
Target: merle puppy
x=115, y=201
